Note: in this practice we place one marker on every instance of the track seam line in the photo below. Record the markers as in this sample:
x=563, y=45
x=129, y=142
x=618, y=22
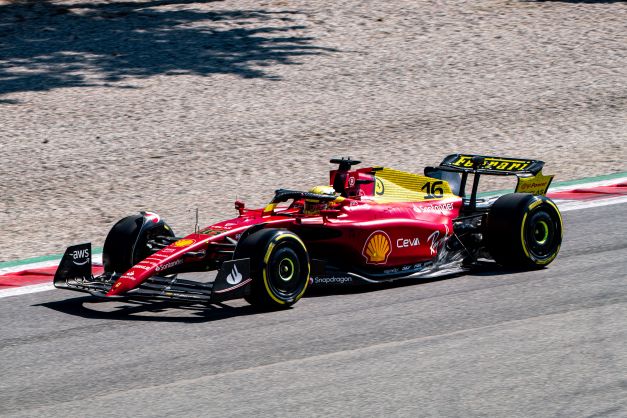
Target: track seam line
x=373, y=347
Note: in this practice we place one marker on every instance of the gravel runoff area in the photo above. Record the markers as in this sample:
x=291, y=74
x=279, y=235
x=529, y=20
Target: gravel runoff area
x=111, y=107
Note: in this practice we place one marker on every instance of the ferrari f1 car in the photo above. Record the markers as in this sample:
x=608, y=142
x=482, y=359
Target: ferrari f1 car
x=369, y=225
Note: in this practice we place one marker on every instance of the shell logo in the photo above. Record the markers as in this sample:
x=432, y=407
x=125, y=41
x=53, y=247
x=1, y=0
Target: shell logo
x=184, y=242
x=377, y=248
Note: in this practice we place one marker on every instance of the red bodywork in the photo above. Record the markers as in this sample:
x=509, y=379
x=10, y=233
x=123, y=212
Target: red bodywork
x=360, y=232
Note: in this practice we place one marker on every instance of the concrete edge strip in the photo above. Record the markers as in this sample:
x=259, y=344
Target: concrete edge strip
x=588, y=182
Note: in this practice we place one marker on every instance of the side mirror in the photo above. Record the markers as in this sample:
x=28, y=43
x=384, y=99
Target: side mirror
x=240, y=206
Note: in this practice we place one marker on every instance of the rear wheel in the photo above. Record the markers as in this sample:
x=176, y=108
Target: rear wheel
x=524, y=231
x=279, y=268
x=127, y=241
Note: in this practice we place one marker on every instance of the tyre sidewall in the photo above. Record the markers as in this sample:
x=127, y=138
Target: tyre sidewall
x=266, y=249
x=509, y=220
x=126, y=242
x=544, y=210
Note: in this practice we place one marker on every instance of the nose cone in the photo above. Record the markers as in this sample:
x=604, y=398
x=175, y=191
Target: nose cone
x=158, y=263
x=120, y=286
x=128, y=281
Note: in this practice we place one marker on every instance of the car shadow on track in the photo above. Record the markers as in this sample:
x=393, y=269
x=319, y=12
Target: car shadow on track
x=46, y=45
x=91, y=308
x=375, y=287
x=482, y=269
x=160, y=311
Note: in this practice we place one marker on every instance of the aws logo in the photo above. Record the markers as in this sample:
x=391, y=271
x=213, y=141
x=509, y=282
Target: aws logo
x=80, y=257
x=377, y=248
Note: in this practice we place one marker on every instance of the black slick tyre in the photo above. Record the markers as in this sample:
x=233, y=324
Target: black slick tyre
x=127, y=242
x=524, y=231
x=279, y=266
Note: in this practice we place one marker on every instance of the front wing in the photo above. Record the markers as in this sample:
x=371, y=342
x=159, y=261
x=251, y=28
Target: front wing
x=75, y=273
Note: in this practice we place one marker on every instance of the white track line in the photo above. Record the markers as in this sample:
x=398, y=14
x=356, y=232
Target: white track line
x=24, y=290
x=564, y=206
x=568, y=205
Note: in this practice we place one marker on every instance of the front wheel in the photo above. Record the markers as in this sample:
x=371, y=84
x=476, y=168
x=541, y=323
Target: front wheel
x=279, y=268
x=524, y=231
x=128, y=241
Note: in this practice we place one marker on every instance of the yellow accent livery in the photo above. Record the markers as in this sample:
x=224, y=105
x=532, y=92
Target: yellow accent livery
x=400, y=186
x=537, y=185
x=493, y=163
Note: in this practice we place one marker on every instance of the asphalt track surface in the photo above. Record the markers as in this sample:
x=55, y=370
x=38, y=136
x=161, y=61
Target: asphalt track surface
x=542, y=343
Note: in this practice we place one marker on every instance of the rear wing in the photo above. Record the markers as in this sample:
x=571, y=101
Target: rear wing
x=480, y=164
x=455, y=169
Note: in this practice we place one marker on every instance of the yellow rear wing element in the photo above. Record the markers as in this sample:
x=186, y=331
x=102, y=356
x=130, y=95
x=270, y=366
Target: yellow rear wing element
x=537, y=185
x=491, y=165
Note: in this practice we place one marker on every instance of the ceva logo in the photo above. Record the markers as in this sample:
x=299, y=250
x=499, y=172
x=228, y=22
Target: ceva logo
x=407, y=242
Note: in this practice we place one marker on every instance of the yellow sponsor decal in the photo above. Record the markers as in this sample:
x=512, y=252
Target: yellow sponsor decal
x=535, y=204
x=184, y=242
x=493, y=163
x=377, y=248
x=211, y=231
x=537, y=185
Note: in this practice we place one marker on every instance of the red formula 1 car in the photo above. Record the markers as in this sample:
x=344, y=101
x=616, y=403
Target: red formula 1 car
x=368, y=225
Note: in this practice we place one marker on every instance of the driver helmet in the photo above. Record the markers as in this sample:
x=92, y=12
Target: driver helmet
x=314, y=206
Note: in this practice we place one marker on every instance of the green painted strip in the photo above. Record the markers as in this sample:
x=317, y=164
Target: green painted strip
x=495, y=192
x=4, y=264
